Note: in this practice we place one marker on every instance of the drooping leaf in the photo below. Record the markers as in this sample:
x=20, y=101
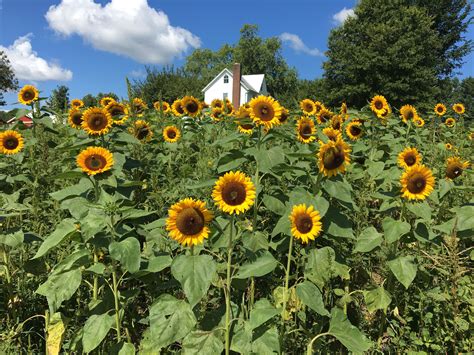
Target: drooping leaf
x=95, y=330
x=55, y=333
x=64, y=229
x=393, y=229
x=322, y=266
x=368, y=240
x=404, y=269
x=60, y=287
x=262, y=312
x=127, y=252
x=311, y=296
x=351, y=337
x=262, y=265
x=377, y=298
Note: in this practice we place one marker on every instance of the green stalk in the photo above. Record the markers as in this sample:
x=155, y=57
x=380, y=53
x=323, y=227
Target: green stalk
x=117, y=306
x=95, y=290
x=6, y=261
x=287, y=278
x=309, y=348
x=227, y=293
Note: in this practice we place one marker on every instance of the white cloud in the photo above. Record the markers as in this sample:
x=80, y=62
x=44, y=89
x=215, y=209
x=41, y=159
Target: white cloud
x=139, y=73
x=126, y=27
x=27, y=65
x=343, y=15
x=297, y=44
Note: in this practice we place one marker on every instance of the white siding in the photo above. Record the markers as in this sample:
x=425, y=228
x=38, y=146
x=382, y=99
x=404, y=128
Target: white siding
x=217, y=90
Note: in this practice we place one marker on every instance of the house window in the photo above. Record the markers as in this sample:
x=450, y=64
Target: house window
x=226, y=95
x=226, y=79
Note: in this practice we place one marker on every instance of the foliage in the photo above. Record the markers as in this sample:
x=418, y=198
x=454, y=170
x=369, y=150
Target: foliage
x=59, y=99
x=8, y=80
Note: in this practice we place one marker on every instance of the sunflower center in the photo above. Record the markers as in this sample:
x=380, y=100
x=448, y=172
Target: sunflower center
x=190, y=221
x=336, y=125
x=283, y=117
x=378, y=105
x=324, y=118
x=355, y=130
x=98, y=122
x=416, y=184
x=95, y=162
x=28, y=95
x=233, y=193
x=306, y=131
x=333, y=158
x=180, y=110
x=192, y=107
x=410, y=115
x=116, y=111
x=142, y=133
x=77, y=118
x=247, y=126
x=11, y=143
x=453, y=171
x=410, y=160
x=304, y=223
x=265, y=112
x=308, y=108
x=171, y=134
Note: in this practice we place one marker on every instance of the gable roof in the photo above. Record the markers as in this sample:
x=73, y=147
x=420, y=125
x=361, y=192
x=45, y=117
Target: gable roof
x=249, y=82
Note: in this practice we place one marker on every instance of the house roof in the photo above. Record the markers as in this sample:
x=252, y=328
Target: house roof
x=249, y=82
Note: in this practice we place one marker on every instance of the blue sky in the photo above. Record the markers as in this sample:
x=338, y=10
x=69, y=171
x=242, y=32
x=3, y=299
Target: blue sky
x=87, y=44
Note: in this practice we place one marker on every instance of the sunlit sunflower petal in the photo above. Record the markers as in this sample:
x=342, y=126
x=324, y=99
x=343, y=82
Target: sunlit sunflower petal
x=305, y=223
x=28, y=94
x=171, y=134
x=333, y=157
x=95, y=160
x=11, y=142
x=417, y=182
x=234, y=193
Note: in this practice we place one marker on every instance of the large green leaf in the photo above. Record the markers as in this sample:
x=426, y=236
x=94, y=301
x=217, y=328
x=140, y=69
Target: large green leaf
x=60, y=287
x=199, y=342
x=262, y=311
x=322, y=266
x=464, y=216
x=300, y=195
x=393, y=229
x=404, y=269
x=420, y=209
x=351, y=337
x=368, y=240
x=338, y=189
x=13, y=239
x=62, y=231
x=127, y=252
x=377, y=298
x=262, y=265
x=83, y=186
x=274, y=204
x=311, y=296
x=266, y=343
x=268, y=158
x=194, y=273
x=95, y=330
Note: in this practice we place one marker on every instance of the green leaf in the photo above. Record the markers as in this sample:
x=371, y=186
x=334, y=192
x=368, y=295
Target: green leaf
x=262, y=312
x=127, y=252
x=322, y=266
x=241, y=341
x=420, y=209
x=267, y=343
x=375, y=168
x=283, y=225
x=404, y=269
x=194, y=273
x=262, y=265
x=368, y=240
x=273, y=204
x=60, y=287
x=159, y=263
x=268, y=158
x=311, y=296
x=13, y=239
x=338, y=189
x=464, y=215
x=394, y=230
x=339, y=224
x=444, y=187
x=83, y=186
x=376, y=299
x=300, y=195
x=351, y=337
x=200, y=342
x=64, y=229
x=95, y=330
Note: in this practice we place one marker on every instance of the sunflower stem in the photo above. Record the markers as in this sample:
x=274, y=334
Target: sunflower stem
x=309, y=348
x=287, y=278
x=228, y=284
x=117, y=306
x=95, y=290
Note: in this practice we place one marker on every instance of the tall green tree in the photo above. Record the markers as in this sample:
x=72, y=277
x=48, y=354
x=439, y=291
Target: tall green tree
x=89, y=100
x=59, y=99
x=8, y=80
x=387, y=48
x=101, y=95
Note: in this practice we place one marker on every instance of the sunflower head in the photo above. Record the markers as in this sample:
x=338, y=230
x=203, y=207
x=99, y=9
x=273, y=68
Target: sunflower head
x=455, y=166
x=332, y=134
x=318, y=107
x=157, y=105
x=139, y=106
x=95, y=160
x=11, y=142
x=385, y=113
x=305, y=223
x=354, y=130
x=305, y=130
x=142, y=131
x=217, y=114
x=333, y=157
x=417, y=182
x=96, y=121
x=336, y=122
x=440, y=109
x=470, y=136
x=266, y=111
x=378, y=104
x=75, y=118
x=343, y=109
x=448, y=146
x=76, y=103
x=409, y=157
x=308, y=107
x=165, y=107
x=246, y=128
x=234, y=193
x=407, y=113
x=450, y=122
x=171, y=134
x=187, y=222
x=285, y=114
x=324, y=116
x=228, y=107
x=459, y=108
x=191, y=106
x=418, y=121
x=106, y=100
x=217, y=103
x=177, y=108
x=118, y=112
x=28, y=94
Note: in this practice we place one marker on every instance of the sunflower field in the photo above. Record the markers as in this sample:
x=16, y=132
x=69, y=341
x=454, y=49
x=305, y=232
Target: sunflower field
x=194, y=228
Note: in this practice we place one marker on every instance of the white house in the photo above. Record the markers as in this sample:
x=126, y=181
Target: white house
x=223, y=87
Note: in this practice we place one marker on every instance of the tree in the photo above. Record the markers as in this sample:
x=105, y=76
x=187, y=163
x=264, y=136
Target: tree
x=59, y=99
x=8, y=80
x=89, y=100
x=313, y=89
x=101, y=95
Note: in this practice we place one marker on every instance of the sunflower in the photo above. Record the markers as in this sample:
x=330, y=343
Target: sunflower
x=228, y=107
x=75, y=118
x=417, y=182
x=324, y=116
x=157, y=105
x=264, y=110
x=191, y=106
x=284, y=115
x=28, y=94
x=76, y=103
x=246, y=128
x=95, y=160
x=336, y=122
x=318, y=107
x=378, y=104
x=118, y=112
x=409, y=157
x=418, y=121
x=450, y=122
x=407, y=113
x=343, y=110
x=187, y=222
x=171, y=134
x=308, y=107
x=141, y=130
x=139, y=106
x=448, y=146
x=11, y=142
x=106, y=100
x=455, y=166
x=204, y=105
x=217, y=103
x=234, y=192
x=305, y=223
x=165, y=107
x=332, y=134
x=305, y=130
x=459, y=108
x=333, y=157
x=217, y=114
x=385, y=113
x=354, y=130
x=440, y=109
x=177, y=108
x=470, y=136
x=96, y=121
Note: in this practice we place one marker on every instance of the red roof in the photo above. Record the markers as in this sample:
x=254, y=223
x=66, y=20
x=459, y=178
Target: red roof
x=27, y=121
